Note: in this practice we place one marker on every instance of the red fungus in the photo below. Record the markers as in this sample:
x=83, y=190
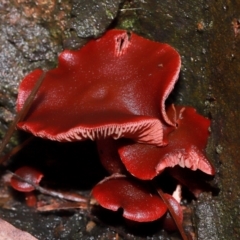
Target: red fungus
x=137, y=201
x=186, y=148
x=168, y=222
x=115, y=86
x=109, y=89
x=26, y=173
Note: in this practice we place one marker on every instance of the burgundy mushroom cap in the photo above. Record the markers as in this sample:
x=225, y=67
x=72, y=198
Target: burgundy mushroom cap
x=186, y=148
x=26, y=173
x=114, y=86
x=136, y=200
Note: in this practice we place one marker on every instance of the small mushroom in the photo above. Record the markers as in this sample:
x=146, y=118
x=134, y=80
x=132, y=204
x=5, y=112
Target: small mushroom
x=26, y=173
x=114, y=86
x=30, y=175
x=186, y=148
x=137, y=200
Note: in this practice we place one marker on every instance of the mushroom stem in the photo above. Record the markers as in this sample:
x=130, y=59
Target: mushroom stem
x=21, y=114
x=62, y=195
x=170, y=209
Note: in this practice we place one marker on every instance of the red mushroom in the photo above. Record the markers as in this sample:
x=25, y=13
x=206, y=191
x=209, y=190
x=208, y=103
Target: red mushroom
x=186, y=148
x=28, y=175
x=109, y=89
x=168, y=222
x=115, y=86
x=137, y=201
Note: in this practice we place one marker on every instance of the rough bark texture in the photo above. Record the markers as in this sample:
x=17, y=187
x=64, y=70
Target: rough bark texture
x=207, y=35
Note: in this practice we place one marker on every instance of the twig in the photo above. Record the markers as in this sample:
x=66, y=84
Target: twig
x=62, y=206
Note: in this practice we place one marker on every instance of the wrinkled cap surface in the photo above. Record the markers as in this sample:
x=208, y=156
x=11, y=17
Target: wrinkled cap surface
x=115, y=86
x=186, y=148
x=136, y=200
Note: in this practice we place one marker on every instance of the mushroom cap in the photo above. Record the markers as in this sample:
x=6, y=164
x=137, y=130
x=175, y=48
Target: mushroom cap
x=136, y=200
x=186, y=148
x=114, y=86
x=29, y=174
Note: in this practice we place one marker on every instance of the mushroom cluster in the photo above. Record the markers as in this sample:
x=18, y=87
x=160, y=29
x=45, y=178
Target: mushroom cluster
x=113, y=91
